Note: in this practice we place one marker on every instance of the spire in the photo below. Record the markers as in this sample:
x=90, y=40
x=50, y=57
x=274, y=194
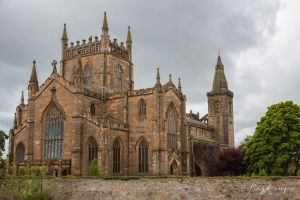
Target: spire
x=33, y=77
x=179, y=84
x=54, y=63
x=22, y=98
x=128, y=36
x=33, y=85
x=64, y=34
x=220, y=82
x=105, y=24
x=219, y=62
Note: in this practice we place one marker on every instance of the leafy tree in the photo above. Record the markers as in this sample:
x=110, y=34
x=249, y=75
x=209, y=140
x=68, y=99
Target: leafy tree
x=245, y=141
x=231, y=162
x=276, y=139
x=3, y=136
x=94, y=169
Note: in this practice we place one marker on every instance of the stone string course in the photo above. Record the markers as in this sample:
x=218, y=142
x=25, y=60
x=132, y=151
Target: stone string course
x=177, y=188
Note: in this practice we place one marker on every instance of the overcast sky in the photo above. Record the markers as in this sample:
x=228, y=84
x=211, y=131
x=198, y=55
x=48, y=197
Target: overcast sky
x=258, y=40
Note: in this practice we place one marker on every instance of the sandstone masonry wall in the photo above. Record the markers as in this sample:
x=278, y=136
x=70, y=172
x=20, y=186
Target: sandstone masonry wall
x=178, y=188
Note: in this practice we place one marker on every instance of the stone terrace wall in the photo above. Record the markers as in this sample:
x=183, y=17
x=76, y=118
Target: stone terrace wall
x=177, y=188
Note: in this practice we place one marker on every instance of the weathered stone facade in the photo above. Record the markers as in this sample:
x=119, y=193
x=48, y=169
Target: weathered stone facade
x=89, y=110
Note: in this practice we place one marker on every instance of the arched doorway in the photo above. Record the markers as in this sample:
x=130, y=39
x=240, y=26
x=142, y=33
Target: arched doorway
x=197, y=170
x=174, y=168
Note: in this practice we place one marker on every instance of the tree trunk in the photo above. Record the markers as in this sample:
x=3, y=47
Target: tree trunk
x=296, y=169
x=286, y=168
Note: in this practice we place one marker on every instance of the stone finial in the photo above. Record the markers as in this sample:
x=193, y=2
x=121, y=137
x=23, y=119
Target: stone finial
x=170, y=78
x=22, y=98
x=179, y=84
x=54, y=63
x=105, y=24
x=15, y=121
x=157, y=76
x=129, y=40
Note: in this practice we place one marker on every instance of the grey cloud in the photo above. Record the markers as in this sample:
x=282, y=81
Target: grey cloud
x=180, y=37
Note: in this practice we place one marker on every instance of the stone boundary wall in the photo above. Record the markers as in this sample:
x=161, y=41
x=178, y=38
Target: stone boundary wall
x=178, y=188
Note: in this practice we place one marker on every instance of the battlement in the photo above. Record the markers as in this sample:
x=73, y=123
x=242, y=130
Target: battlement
x=84, y=49
x=118, y=49
x=94, y=47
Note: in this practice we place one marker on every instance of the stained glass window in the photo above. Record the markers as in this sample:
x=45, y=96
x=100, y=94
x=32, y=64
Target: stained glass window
x=54, y=133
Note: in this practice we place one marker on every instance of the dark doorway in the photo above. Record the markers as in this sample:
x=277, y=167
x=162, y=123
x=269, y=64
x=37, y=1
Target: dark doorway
x=174, y=168
x=197, y=170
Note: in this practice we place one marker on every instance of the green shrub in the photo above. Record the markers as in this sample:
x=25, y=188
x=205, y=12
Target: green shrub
x=94, y=169
x=26, y=184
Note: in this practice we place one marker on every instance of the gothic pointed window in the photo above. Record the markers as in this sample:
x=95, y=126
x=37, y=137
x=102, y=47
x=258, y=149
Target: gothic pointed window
x=93, y=150
x=88, y=76
x=171, y=124
x=116, y=156
x=92, y=109
x=20, y=152
x=142, y=109
x=143, y=156
x=54, y=133
x=118, y=76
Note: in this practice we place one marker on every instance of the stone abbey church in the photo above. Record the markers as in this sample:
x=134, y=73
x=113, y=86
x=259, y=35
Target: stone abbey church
x=90, y=110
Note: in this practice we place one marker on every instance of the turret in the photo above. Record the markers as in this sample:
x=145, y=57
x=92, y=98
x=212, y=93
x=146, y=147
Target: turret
x=220, y=109
x=104, y=36
x=33, y=85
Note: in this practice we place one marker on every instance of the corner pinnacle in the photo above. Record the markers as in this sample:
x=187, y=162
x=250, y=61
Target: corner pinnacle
x=105, y=24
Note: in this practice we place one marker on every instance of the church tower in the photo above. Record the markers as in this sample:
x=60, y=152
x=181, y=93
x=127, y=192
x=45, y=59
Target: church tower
x=220, y=109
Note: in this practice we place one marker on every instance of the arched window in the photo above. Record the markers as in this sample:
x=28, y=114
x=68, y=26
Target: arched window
x=142, y=109
x=54, y=133
x=88, y=76
x=171, y=128
x=93, y=109
x=20, y=152
x=116, y=156
x=143, y=156
x=93, y=149
x=118, y=76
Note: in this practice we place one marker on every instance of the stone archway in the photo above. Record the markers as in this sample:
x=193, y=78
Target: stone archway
x=174, y=168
